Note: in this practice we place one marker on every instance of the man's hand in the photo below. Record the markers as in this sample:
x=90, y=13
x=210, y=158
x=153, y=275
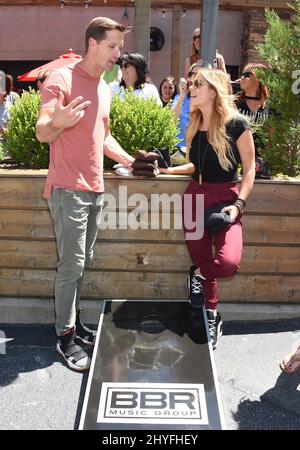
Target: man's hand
x=70, y=115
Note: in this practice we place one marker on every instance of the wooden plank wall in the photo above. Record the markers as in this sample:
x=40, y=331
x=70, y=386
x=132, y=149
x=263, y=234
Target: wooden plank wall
x=147, y=263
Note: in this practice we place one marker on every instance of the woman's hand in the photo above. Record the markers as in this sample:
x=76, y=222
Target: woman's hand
x=233, y=212
x=183, y=89
x=164, y=170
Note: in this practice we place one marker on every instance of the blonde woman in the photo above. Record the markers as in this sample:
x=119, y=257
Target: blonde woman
x=218, y=139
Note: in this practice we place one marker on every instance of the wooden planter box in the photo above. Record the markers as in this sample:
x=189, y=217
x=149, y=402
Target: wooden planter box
x=147, y=263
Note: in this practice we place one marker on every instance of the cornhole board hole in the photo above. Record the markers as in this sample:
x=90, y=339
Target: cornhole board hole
x=152, y=368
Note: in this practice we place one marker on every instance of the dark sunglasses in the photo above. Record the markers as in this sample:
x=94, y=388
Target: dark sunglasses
x=196, y=37
x=247, y=74
x=196, y=84
x=125, y=65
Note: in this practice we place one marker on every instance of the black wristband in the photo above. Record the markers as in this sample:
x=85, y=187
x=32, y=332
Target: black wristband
x=238, y=207
x=241, y=200
x=239, y=203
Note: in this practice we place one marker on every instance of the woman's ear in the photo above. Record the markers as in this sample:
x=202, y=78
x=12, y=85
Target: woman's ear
x=213, y=94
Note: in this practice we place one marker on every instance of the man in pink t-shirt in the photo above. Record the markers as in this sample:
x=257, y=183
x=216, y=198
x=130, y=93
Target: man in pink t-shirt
x=74, y=119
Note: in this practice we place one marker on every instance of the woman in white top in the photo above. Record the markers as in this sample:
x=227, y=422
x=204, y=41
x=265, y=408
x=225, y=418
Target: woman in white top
x=135, y=75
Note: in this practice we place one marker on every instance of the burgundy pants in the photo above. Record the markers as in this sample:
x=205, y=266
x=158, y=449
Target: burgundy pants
x=223, y=260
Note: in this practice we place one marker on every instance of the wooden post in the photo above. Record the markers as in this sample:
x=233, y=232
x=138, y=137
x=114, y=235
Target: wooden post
x=142, y=28
x=175, y=46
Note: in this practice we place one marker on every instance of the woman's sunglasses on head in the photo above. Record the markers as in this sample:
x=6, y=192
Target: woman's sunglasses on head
x=190, y=74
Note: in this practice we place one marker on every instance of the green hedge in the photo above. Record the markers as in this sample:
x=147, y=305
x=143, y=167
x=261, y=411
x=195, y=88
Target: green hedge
x=142, y=124
x=135, y=123
x=22, y=143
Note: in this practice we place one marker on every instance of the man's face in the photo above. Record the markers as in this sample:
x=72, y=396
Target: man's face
x=107, y=51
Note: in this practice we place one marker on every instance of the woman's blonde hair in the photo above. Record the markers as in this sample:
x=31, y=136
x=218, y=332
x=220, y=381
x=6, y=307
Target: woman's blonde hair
x=223, y=111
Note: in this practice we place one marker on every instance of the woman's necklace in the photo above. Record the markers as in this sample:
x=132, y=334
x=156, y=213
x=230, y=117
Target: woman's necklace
x=248, y=97
x=203, y=160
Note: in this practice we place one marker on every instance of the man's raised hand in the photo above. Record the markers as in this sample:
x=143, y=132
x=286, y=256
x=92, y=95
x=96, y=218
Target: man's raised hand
x=70, y=115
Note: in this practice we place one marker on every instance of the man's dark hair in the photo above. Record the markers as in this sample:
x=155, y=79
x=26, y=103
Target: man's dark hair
x=98, y=27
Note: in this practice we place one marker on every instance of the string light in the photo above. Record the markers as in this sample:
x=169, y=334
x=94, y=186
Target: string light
x=87, y=3
x=62, y=3
x=183, y=12
x=164, y=13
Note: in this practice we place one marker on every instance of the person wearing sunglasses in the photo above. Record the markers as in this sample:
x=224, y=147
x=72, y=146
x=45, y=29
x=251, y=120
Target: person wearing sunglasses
x=218, y=139
x=181, y=105
x=251, y=101
x=219, y=62
x=135, y=75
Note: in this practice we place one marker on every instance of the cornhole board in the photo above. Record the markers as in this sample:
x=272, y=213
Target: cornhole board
x=152, y=368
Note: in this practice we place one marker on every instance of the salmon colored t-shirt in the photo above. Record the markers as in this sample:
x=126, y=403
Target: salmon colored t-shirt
x=76, y=156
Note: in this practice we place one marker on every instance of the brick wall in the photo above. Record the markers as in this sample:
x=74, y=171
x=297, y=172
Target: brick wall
x=254, y=29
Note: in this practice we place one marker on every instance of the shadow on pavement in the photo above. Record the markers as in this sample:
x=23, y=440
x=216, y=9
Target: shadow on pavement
x=25, y=348
x=260, y=327
x=277, y=409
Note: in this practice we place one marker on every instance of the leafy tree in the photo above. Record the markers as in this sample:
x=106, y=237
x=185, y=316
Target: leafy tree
x=281, y=49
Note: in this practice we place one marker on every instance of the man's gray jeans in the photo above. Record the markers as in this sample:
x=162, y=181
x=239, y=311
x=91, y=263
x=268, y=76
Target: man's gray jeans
x=76, y=216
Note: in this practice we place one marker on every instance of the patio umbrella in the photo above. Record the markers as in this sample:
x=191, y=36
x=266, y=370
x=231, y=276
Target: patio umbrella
x=63, y=60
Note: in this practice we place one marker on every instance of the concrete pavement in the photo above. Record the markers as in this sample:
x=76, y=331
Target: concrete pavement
x=38, y=392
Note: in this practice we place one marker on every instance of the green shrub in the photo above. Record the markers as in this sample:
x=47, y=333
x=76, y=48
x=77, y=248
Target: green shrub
x=135, y=123
x=281, y=49
x=22, y=143
x=141, y=124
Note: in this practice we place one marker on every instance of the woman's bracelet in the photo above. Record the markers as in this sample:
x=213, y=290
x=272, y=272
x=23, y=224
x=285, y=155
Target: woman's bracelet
x=240, y=204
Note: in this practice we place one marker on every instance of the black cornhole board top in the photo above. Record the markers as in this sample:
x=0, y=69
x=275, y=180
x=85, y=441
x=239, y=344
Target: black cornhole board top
x=152, y=368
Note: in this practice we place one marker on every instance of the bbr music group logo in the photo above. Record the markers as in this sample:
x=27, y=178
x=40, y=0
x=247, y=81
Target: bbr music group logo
x=182, y=403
